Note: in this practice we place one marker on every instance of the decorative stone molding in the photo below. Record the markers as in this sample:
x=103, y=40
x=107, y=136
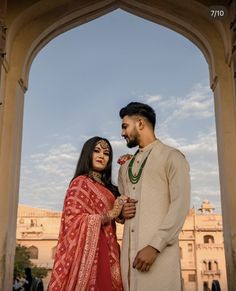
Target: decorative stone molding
x=22, y=85
x=3, y=30
x=234, y=248
x=210, y=246
x=233, y=37
x=216, y=272
x=214, y=83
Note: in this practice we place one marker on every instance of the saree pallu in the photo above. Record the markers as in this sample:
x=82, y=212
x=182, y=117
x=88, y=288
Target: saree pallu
x=87, y=255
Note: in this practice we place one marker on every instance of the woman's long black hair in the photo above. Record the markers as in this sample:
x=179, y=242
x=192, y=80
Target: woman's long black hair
x=84, y=165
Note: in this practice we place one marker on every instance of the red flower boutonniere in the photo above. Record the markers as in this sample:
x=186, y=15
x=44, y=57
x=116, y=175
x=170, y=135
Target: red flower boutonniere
x=124, y=158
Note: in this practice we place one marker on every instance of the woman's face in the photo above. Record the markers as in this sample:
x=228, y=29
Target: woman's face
x=100, y=157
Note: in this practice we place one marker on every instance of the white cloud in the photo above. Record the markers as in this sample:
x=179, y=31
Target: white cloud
x=205, y=143
x=152, y=99
x=196, y=104
x=45, y=176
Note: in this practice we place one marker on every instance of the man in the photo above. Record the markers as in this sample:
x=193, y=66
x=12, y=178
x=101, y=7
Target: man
x=157, y=178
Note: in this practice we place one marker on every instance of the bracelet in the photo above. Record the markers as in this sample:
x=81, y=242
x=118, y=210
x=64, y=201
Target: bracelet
x=120, y=201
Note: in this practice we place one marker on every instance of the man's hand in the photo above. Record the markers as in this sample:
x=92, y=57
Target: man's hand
x=145, y=258
x=129, y=208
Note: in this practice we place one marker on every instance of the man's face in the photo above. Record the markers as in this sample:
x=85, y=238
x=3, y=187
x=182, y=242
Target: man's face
x=130, y=131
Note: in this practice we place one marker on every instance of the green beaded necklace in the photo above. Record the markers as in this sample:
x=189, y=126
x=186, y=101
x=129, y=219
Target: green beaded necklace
x=135, y=178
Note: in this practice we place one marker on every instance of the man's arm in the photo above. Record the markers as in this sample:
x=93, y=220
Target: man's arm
x=179, y=188
x=129, y=208
x=177, y=171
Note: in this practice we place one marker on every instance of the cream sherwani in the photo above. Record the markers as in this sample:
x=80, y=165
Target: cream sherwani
x=163, y=194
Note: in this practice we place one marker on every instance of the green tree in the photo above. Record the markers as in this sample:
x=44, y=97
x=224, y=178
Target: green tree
x=22, y=261
x=39, y=272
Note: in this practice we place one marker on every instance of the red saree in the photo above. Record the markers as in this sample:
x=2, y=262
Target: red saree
x=87, y=256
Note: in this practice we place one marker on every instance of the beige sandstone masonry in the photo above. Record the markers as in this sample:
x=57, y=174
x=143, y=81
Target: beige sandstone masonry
x=32, y=24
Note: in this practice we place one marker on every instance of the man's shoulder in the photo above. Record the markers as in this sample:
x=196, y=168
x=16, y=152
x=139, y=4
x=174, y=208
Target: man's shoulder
x=168, y=150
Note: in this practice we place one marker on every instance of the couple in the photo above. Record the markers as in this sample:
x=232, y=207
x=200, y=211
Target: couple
x=152, y=202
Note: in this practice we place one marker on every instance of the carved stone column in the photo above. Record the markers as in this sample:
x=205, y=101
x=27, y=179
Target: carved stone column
x=3, y=6
x=233, y=63
x=232, y=15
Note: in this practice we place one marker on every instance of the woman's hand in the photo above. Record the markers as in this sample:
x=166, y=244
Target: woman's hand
x=117, y=207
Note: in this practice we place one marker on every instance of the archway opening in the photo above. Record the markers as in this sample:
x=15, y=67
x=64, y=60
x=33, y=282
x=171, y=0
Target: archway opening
x=184, y=103
x=81, y=79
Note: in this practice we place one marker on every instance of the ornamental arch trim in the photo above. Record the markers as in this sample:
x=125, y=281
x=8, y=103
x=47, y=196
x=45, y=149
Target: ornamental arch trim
x=32, y=24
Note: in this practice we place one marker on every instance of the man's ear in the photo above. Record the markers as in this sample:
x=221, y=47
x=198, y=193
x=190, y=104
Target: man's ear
x=141, y=124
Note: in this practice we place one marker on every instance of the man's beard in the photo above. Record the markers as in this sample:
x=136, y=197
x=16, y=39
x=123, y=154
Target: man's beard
x=131, y=143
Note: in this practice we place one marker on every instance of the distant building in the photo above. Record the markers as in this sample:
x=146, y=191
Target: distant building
x=202, y=249
x=201, y=243
x=38, y=229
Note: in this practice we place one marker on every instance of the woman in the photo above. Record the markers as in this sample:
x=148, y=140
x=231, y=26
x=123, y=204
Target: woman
x=87, y=256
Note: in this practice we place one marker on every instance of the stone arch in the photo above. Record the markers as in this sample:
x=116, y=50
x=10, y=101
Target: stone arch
x=32, y=25
x=208, y=239
x=210, y=266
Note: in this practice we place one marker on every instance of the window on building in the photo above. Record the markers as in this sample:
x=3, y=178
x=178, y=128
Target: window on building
x=190, y=247
x=33, y=252
x=208, y=239
x=209, y=266
x=191, y=277
x=54, y=252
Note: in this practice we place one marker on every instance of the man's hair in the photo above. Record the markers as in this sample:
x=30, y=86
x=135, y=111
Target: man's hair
x=137, y=108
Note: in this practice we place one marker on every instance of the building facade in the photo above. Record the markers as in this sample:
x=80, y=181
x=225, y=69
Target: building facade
x=201, y=243
x=202, y=249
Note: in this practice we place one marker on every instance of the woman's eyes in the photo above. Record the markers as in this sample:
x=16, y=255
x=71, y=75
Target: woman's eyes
x=98, y=151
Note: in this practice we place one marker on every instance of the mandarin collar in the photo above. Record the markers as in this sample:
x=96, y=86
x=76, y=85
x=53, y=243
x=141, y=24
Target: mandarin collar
x=148, y=147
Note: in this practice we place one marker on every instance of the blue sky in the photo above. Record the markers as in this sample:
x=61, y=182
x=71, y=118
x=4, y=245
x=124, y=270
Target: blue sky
x=80, y=80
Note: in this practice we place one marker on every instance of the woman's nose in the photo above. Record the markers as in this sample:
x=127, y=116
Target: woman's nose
x=101, y=155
